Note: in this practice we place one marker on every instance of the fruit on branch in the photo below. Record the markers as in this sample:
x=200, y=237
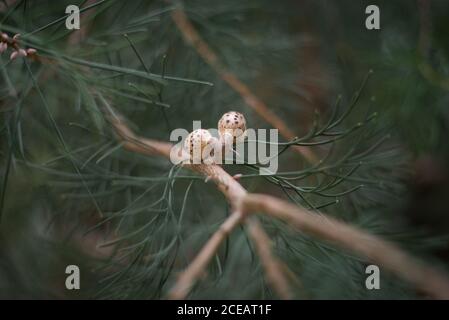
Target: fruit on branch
x=232, y=127
x=3, y=47
x=13, y=43
x=201, y=145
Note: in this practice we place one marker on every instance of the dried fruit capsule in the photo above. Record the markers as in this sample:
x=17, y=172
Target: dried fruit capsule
x=3, y=47
x=31, y=51
x=232, y=127
x=14, y=55
x=200, y=145
x=22, y=52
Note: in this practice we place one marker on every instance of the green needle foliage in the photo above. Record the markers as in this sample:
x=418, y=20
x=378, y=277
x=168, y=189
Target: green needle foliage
x=70, y=194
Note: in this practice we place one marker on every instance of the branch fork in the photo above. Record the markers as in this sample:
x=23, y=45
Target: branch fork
x=427, y=279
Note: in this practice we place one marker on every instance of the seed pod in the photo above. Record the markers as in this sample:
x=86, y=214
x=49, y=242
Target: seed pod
x=3, y=47
x=14, y=55
x=31, y=51
x=232, y=127
x=22, y=52
x=200, y=145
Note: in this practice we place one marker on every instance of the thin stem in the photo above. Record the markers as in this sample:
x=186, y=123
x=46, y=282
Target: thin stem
x=197, y=266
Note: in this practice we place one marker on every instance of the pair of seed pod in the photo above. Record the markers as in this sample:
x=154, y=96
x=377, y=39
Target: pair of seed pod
x=231, y=129
x=17, y=51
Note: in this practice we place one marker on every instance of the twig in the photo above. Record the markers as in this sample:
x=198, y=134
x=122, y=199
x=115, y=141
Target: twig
x=273, y=269
x=210, y=57
x=77, y=37
x=234, y=193
x=199, y=264
x=425, y=27
x=424, y=277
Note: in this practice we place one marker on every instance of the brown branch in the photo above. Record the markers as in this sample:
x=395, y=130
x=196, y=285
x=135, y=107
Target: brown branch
x=78, y=36
x=234, y=193
x=210, y=57
x=273, y=268
x=140, y=145
x=199, y=264
x=427, y=279
x=425, y=27
x=424, y=277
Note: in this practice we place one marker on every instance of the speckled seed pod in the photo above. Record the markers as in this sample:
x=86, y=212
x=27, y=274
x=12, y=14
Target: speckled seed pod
x=232, y=125
x=196, y=143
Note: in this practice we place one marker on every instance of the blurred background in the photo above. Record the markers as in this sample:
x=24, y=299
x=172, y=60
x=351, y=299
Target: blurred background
x=70, y=194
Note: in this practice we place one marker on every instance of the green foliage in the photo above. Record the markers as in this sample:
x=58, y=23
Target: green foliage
x=71, y=195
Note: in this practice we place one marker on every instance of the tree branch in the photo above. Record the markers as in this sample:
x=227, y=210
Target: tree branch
x=273, y=269
x=199, y=264
x=234, y=193
x=210, y=57
x=424, y=277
